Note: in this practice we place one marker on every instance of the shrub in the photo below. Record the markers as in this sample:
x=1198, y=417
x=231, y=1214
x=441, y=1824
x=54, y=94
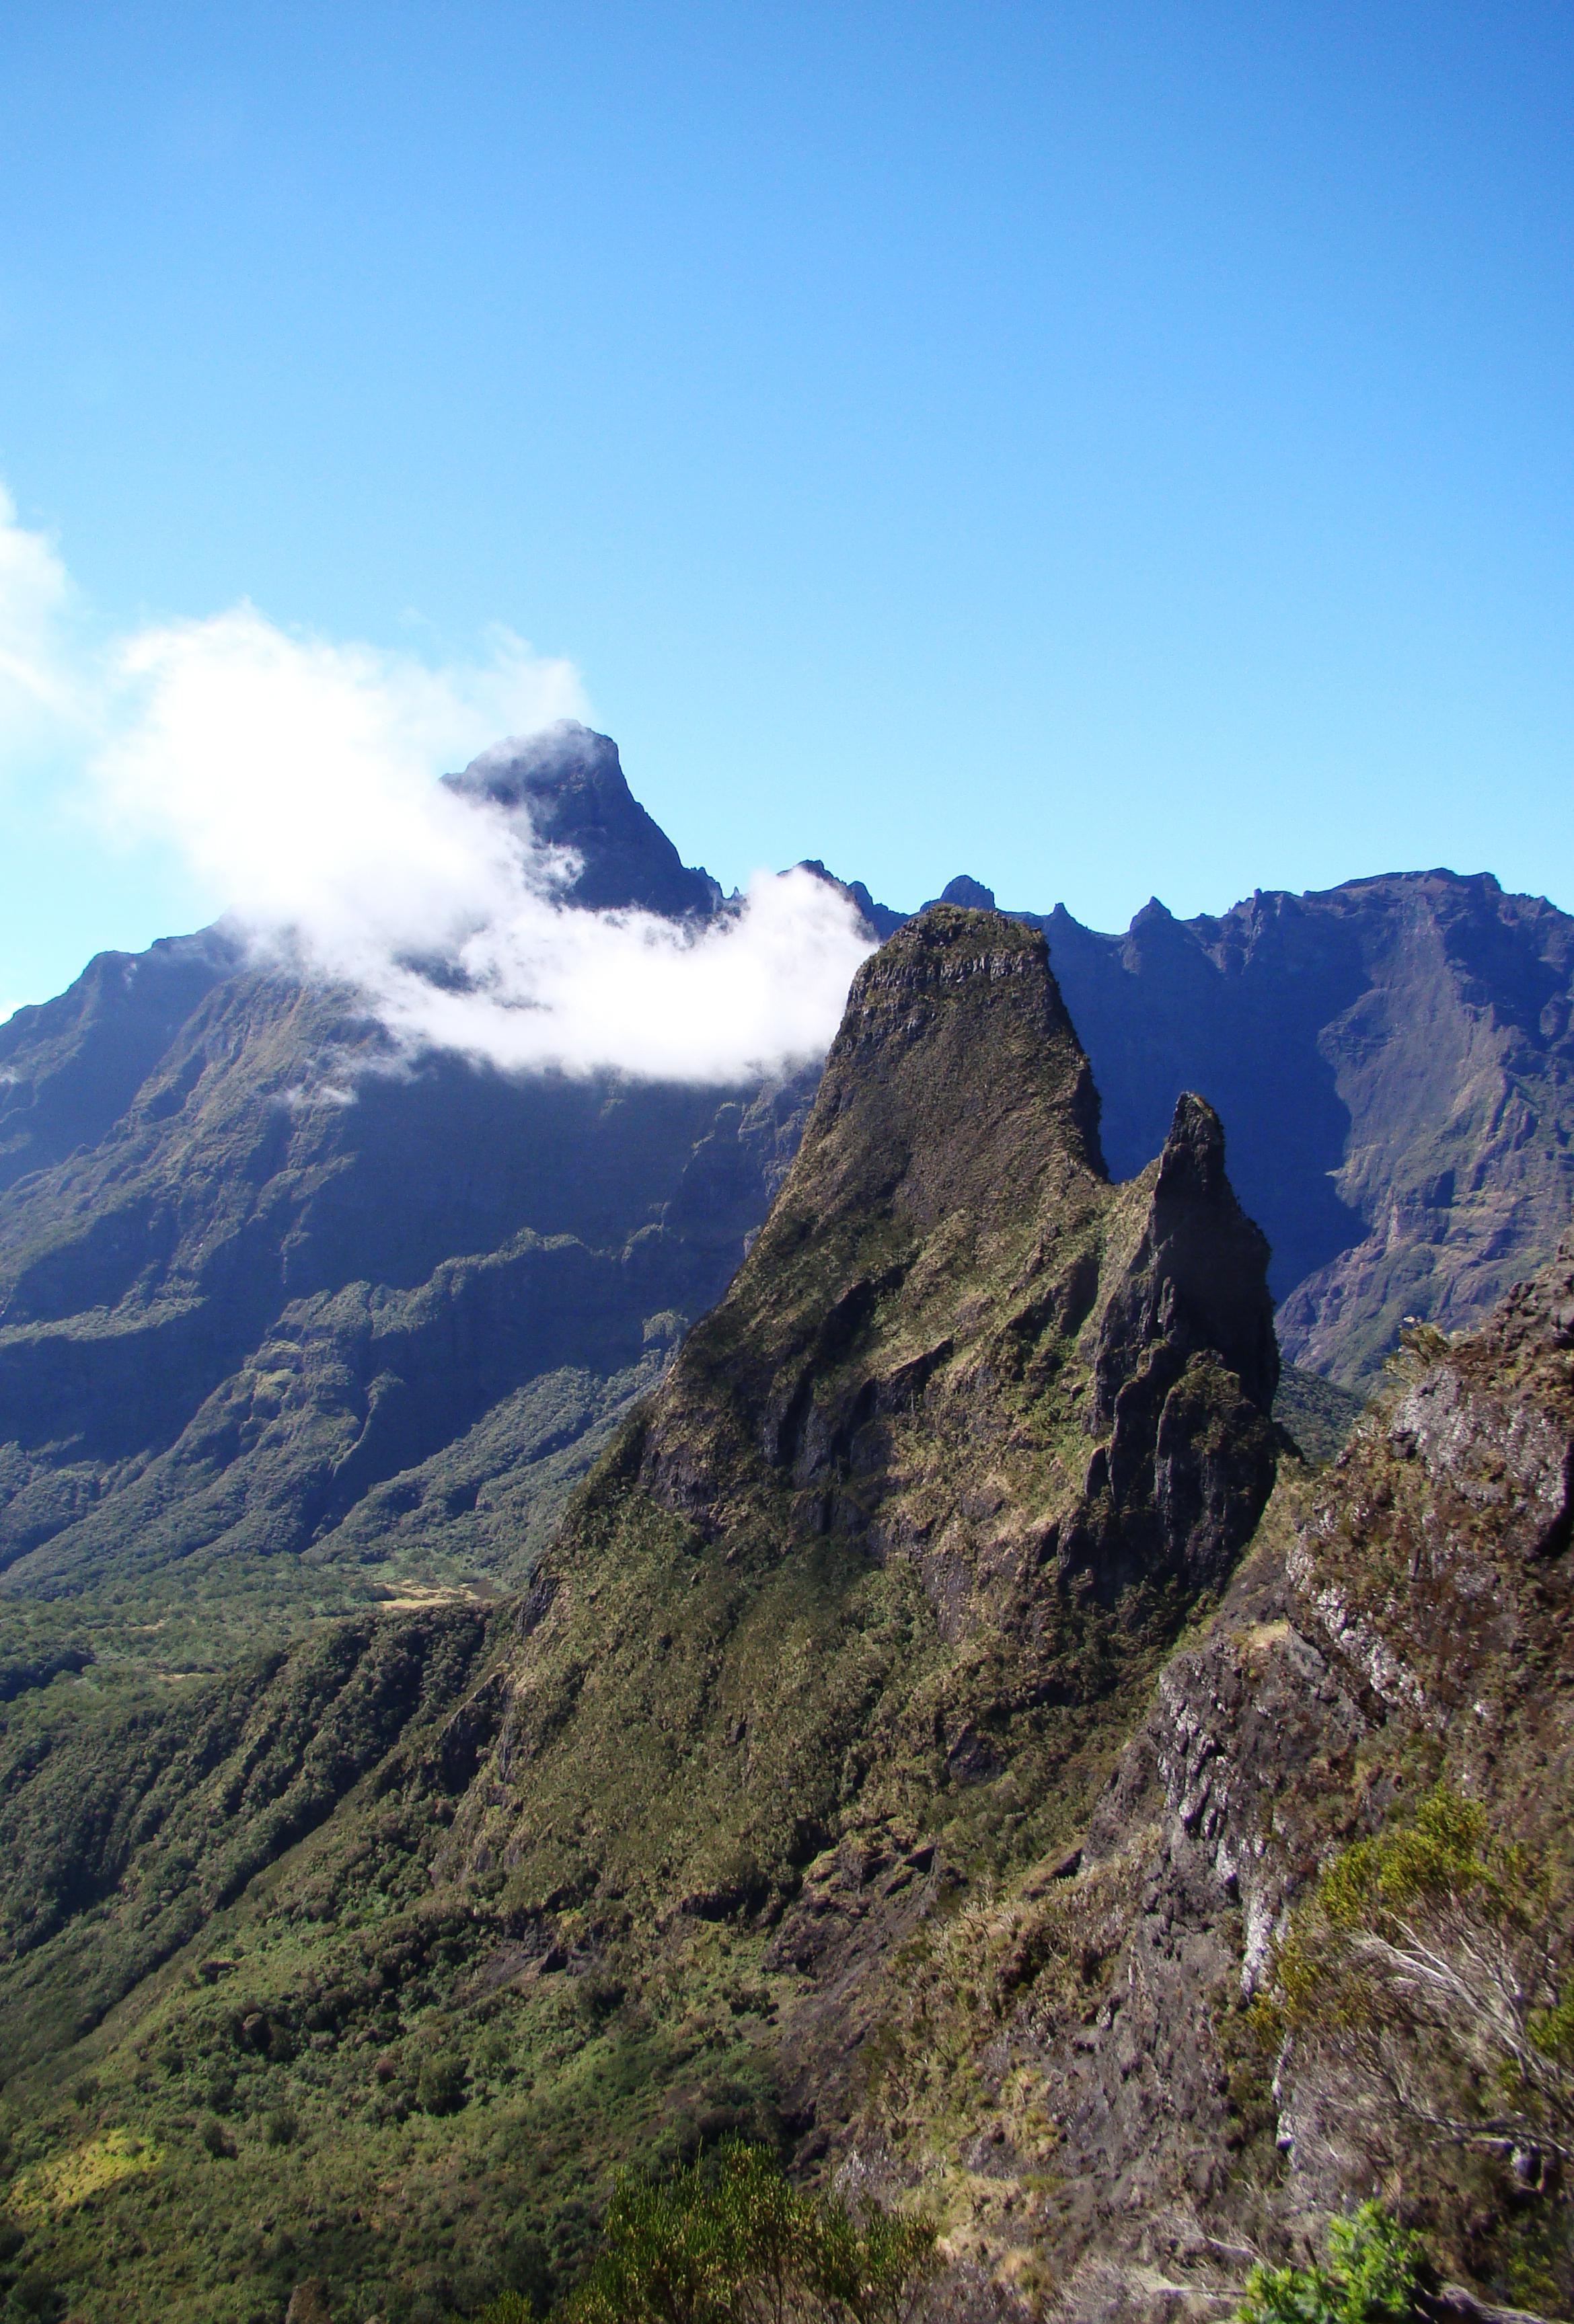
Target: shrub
x=1424, y=1987
x=439, y=2087
x=279, y=2127
x=731, y=2241
x=1373, y=2274
x=35, y=2295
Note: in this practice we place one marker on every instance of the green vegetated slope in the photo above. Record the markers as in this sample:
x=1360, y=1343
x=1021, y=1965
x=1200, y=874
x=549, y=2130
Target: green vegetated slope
x=287, y=1323
x=1316, y=1414
x=373, y=1961
x=256, y=1305
x=287, y=1318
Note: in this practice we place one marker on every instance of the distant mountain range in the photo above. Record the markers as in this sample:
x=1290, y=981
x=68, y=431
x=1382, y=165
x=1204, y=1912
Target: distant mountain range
x=261, y=1342
x=951, y=1741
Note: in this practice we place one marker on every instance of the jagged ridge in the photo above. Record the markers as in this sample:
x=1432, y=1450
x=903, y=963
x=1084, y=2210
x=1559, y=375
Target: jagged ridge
x=854, y=1614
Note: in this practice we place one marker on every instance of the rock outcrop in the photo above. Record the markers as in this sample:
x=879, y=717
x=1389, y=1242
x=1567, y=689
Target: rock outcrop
x=1131, y=2135
x=1393, y=1058
x=850, y=1621
x=570, y=785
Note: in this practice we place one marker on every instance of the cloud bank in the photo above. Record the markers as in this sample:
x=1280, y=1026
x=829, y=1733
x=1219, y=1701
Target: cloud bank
x=298, y=778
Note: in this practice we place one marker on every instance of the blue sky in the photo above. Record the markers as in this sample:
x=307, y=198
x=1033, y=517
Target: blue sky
x=1111, y=450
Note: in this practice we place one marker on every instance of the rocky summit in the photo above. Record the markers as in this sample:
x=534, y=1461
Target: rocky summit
x=848, y=1623
x=288, y=1325
x=570, y=787
x=551, y=1625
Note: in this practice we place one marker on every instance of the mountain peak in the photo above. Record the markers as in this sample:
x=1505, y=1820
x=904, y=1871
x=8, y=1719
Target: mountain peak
x=948, y=1226
x=954, y=1029
x=570, y=782
x=968, y=892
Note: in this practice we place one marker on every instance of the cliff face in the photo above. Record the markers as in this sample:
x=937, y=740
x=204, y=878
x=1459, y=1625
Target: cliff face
x=1393, y=1058
x=1079, y=2066
x=570, y=784
x=852, y=1619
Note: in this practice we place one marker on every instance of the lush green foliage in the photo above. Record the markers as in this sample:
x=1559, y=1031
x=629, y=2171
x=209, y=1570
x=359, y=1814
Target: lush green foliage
x=1317, y=1414
x=1374, y=2270
x=731, y=2241
x=1446, y=1856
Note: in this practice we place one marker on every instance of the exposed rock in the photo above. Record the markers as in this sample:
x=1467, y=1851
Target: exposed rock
x=1405, y=1617
x=569, y=782
x=309, y=2302
x=1393, y=1057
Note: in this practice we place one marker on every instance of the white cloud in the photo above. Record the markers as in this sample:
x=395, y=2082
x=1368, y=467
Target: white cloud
x=38, y=691
x=752, y=990
x=298, y=779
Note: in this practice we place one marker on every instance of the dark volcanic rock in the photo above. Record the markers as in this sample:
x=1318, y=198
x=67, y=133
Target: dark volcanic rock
x=970, y=892
x=570, y=783
x=957, y=1110
x=1396, y=1062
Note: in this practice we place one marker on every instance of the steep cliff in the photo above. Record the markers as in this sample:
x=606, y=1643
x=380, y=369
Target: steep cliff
x=1104, y=2076
x=851, y=1621
x=1394, y=1059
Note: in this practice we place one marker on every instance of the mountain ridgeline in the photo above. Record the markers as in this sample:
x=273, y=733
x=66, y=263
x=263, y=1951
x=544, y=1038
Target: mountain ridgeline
x=548, y=1621
x=947, y=1467
x=287, y=1322
x=854, y=1612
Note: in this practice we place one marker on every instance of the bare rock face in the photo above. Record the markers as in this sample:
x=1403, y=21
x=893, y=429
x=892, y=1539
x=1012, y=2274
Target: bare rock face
x=1403, y=1621
x=1392, y=1056
x=569, y=782
x=309, y=2302
x=948, y=1263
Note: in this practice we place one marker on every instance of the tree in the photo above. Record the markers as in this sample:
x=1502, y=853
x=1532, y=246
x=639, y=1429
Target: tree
x=1424, y=1990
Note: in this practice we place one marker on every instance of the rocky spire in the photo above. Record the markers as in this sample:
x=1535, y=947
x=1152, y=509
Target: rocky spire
x=570, y=783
